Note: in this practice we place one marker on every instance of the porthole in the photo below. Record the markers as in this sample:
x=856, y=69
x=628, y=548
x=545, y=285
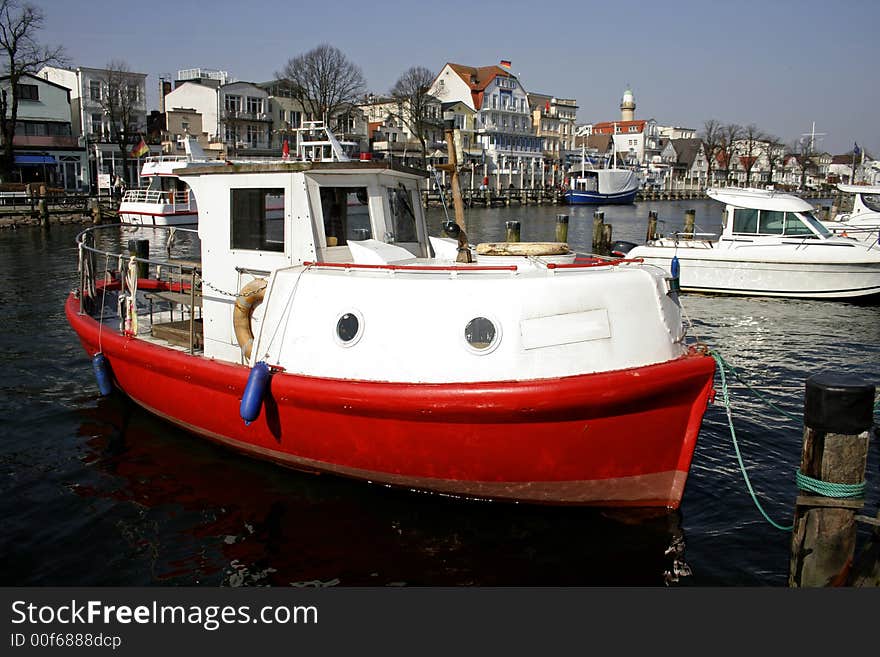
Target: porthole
x=349, y=328
x=482, y=335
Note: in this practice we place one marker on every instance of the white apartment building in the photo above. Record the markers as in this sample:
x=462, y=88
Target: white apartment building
x=503, y=123
x=87, y=88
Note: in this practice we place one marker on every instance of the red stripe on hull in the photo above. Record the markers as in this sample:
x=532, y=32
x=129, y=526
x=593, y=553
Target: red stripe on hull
x=622, y=438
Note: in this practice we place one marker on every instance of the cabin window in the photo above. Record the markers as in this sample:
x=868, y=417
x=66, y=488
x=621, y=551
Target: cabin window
x=745, y=220
x=481, y=335
x=871, y=201
x=257, y=217
x=771, y=222
x=346, y=214
x=403, y=217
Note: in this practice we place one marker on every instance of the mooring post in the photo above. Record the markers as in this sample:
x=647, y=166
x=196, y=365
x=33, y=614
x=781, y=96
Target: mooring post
x=43, y=211
x=652, y=226
x=606, y=239
x=141, y=250
x=838, y=414
x=689, y=221
x=561, y=227
x=598, y=231
x=512, y=231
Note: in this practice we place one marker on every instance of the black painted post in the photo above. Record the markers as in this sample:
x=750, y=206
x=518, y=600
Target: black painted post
x=838, y=414
x=141, y=250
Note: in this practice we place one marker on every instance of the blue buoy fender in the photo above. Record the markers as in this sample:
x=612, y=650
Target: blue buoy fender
x=102, y=374
x=254, y=392
x=675, y=270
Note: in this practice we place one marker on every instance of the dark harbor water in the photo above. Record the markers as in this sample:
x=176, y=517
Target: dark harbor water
x=95, y=491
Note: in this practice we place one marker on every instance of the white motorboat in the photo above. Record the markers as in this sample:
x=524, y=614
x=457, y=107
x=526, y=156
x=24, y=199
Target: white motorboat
x=861, y=218
x=770, y=244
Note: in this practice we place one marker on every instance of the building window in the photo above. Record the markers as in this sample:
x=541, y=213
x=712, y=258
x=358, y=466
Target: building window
x=95, y=89
x=97, y=124
x=232, y=103
x=28, y=92
x=133, y=93
x=253, y=135
x=254, y=105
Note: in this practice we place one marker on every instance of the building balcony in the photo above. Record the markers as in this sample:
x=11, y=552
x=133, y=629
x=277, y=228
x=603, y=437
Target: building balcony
x=55, y=141
x=237, y=115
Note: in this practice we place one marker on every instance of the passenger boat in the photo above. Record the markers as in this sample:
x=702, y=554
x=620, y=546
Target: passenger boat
x=341, y=338
x=166, y=200
x=861, y=218
x=602, y=186
x=770, y=244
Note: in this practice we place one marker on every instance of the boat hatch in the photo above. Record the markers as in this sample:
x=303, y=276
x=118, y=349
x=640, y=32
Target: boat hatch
x=751, y=221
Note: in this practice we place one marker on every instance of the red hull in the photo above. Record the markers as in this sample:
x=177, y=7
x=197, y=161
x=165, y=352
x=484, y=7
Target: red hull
x=623, y=438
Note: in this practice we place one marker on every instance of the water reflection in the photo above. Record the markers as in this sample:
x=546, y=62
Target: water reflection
x=197, y=513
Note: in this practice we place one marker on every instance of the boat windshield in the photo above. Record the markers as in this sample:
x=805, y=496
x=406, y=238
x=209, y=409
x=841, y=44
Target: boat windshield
x=871, y=201
x=815, y=224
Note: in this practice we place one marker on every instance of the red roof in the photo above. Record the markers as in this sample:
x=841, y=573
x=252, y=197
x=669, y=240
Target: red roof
x=478, y=78
x=607, y=127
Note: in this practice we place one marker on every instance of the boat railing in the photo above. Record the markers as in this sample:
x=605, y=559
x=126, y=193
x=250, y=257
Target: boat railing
x=179, y=199
x=163, y=262
x=683, y=235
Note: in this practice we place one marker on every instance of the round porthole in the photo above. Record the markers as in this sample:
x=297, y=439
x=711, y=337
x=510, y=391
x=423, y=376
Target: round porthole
x=349, y=328
x=482, y=335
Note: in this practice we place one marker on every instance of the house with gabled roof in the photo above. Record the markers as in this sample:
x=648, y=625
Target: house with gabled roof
x=503, y=123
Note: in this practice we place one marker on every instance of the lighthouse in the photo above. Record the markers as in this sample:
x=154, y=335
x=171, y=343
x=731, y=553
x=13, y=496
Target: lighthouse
x=627, y=105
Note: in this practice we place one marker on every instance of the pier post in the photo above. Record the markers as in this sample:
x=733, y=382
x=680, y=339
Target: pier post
x=96, y=211
x=43, y=212
x=513, y=231
x=140, y=249
x=598, y=231
x=606, y=239
x=838, y=414
x=689, y=222
x=652, y=226
x=561, y=227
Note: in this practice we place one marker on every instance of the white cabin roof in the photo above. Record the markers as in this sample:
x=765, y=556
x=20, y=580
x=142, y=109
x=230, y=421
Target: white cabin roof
x=859, y=189
x=759, y=199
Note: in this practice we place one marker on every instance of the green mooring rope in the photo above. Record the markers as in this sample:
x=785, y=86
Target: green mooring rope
x=726, y=396
x=804, y=482
x=828, y=488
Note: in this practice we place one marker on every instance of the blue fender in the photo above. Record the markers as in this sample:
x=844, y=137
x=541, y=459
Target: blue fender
x=102, y=374
x=254, y=392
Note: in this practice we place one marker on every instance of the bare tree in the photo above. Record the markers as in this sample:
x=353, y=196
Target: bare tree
x=802, y=152
x=120, y=101
x=711, y=137
x=774, y=150
x=21, y=53
x=324, y=81
x=729, y=134
x=749, y=148
x=416, y=108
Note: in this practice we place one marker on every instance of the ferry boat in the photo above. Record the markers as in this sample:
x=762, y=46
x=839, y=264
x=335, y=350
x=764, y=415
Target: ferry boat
x=166, y=200
x=770, y=244
x=346, y=340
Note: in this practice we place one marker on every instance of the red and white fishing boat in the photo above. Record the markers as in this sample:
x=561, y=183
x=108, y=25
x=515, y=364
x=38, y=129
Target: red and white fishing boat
x=343, y=339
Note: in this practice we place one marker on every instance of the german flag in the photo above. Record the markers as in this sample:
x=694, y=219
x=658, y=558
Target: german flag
x=141, y=149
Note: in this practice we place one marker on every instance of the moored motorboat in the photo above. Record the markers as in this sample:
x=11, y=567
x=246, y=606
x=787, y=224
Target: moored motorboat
x=770, y=244
x=339, y=337
x=601, y=185
x=861, y=218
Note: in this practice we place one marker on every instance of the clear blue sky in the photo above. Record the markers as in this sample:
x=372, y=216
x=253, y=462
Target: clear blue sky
x=780, y=64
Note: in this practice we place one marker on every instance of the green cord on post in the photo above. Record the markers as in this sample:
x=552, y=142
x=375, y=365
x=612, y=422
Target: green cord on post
x=724, y=393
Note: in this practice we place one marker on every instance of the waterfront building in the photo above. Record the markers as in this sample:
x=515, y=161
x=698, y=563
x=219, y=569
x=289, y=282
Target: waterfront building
x=554, y=121
x=45, y=150
x=503, y=122
x=286, y=113
x=393, y=129
x=636, y=141
x=686, y=163
x=88, y=87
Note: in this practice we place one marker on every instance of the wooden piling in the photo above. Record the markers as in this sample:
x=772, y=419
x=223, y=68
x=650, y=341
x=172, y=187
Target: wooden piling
x=838, y=414
x=561, y=227
x=689, y=222
x=43, y=212
x=652, y=226
x=598, y=231
x=606, y=239
x=513, y=231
